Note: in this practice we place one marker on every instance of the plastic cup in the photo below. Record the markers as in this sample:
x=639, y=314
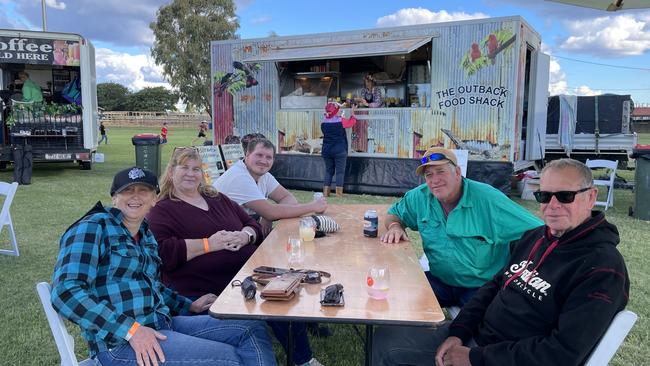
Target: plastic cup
x=378, y=282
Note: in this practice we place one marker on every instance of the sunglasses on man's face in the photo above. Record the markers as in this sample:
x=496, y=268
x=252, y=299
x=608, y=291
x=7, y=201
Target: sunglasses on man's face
x=562, y=196
x=435, y=157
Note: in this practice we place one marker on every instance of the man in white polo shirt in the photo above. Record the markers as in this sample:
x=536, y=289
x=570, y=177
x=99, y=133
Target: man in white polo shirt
x=250, y=184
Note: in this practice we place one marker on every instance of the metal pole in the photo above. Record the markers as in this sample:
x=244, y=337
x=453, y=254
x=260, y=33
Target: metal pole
x=44, y=16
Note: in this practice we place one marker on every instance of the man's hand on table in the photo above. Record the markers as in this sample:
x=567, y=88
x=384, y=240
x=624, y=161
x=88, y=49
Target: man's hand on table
x=203, y=303
x=267, y=226
x=394, y=234
x=319, y=205
x=146, y=347
x=452, y=353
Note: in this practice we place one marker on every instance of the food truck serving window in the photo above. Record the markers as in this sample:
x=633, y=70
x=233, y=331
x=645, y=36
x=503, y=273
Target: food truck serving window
x=354, y=49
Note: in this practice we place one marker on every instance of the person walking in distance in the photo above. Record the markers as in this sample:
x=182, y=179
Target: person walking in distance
x=102, y=133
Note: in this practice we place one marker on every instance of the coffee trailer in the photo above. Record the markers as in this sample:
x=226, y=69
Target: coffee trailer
x=64, y=126
x=479, y=85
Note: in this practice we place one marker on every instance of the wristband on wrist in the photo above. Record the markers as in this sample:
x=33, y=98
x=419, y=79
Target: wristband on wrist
x=395, y=223
x=132, y=330
x=206, y=245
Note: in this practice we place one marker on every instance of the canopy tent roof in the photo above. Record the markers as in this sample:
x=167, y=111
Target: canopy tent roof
x=345, y=50
x=609, y=5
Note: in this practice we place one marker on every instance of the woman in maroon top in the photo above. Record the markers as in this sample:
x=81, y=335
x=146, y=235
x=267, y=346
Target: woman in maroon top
x=203, y=237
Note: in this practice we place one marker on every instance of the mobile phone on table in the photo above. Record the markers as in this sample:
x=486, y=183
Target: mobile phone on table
x=270, y=270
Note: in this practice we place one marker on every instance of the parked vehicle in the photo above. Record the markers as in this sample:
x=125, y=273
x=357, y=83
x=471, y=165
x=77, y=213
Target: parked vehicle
x=64, y=126
x=594, y=127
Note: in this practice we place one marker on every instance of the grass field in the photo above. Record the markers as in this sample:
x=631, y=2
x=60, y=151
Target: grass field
x=60, y=193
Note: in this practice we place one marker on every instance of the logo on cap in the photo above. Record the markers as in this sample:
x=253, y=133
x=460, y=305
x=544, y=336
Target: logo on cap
x=136, y=173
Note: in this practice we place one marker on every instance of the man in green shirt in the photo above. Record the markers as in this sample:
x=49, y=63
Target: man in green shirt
x=466, y=226
x=31, y=91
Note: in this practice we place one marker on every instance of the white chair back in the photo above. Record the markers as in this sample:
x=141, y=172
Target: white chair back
x=611, y=166
x=612, y=339
x=9, y=191
x=63, y=339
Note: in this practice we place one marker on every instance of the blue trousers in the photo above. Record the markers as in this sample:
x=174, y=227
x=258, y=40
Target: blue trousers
x=449, y=295
x=301, y=349
x=204, y=340
x=335, y=164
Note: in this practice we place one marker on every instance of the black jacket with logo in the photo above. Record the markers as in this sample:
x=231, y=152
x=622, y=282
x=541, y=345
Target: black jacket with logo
x=552, y=302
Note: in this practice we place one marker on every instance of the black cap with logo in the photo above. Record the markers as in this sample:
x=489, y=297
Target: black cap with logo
x=131, y=176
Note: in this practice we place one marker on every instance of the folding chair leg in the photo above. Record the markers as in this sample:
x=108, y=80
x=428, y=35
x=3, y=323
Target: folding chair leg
x=12, y=239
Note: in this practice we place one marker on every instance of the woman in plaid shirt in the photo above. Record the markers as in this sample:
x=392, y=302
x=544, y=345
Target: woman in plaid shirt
x=107, y=280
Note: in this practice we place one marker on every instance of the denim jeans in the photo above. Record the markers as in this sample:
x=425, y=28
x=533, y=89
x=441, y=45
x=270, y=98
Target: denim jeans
x=301, y=349
x=416, y=346
x=449, y=295
x=335, y=163
x=204, y=340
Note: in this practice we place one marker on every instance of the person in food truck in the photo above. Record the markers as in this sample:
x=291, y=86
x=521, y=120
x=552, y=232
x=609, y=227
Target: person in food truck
x=370, y=94
x=31, y=92
x=551, y=302
x=107, y=281
x=466, y=226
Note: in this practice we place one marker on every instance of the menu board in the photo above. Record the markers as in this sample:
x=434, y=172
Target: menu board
x=232, y=153
x=213, y=165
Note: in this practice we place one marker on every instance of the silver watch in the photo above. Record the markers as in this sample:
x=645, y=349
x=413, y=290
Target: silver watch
x=251, y=236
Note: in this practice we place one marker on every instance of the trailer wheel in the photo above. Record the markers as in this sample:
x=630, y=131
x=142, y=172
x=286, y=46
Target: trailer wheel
x=86, y=165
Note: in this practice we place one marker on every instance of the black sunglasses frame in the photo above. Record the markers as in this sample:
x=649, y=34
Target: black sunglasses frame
x=562, y=196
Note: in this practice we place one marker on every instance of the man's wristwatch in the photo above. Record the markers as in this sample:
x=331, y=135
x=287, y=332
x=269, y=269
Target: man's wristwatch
x=251, y=236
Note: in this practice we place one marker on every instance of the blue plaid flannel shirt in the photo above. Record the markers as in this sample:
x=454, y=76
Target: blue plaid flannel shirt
x=104, y=281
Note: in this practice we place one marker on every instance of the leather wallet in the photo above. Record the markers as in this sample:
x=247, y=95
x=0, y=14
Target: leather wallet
x=282, y=288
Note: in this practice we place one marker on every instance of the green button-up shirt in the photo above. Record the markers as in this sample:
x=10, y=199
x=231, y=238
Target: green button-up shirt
x=471, y=245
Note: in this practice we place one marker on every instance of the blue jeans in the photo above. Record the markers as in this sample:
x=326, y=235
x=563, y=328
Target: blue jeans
x=301, y=349
x=335, y=163
x=395, y=345
x=105, y=139
x=449, y=295
x=204, y=340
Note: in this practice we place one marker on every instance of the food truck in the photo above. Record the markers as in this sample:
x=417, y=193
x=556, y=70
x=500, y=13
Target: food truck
x=479, y=85
x=63, y=126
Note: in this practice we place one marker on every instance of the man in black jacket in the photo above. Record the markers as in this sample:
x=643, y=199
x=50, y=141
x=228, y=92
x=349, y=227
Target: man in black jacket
x=549, y=305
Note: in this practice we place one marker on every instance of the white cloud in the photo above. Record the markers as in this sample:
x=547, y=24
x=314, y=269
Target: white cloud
x=409, y=16
x=557, y=82
x=557, y=79
x=614, y=36
x=55, y=4
x=133, y=71
x=585, y=90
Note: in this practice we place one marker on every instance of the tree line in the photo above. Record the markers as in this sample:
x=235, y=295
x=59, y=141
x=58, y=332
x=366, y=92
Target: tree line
x=117, y=97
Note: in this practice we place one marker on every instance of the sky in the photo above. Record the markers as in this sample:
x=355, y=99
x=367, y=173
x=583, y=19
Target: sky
x=592, y=52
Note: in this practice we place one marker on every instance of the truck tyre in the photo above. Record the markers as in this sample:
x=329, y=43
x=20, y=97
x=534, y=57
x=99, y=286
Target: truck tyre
x=86, y=165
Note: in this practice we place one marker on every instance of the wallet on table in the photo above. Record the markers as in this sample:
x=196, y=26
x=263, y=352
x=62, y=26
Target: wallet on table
x=282, y=287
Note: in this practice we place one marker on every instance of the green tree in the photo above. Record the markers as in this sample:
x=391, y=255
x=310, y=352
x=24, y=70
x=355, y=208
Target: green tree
x=156, y=99
x=183, y=31
x=112, y=96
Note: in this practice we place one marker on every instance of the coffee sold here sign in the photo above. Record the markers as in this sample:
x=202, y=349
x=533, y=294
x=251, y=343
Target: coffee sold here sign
x=38, y=51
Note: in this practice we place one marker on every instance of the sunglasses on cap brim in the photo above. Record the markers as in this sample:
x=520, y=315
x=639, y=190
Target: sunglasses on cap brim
x=435, y=157
x=562, y=196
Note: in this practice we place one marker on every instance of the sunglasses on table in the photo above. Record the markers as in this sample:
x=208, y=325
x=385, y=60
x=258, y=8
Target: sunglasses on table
x=562, y=196
x=435, y=157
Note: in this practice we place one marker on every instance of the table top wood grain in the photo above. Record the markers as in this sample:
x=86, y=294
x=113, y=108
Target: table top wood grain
x=347, y=255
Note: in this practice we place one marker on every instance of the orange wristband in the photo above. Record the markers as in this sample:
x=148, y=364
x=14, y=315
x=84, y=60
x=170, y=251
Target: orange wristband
x=395, y=223
x=132, y=330
x=206, y=245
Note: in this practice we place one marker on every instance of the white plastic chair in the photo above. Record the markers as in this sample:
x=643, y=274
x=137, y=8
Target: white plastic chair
x=609, y=183
x=63, y=339
x=9, y=191
x=613, y=338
